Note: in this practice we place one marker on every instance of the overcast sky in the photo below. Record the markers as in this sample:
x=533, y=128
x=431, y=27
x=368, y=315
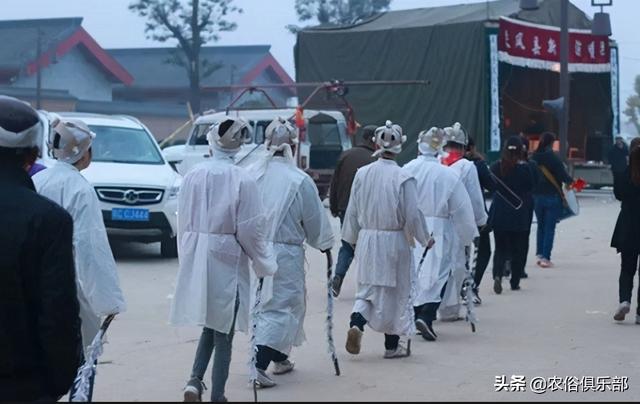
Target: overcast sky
x=263, y=22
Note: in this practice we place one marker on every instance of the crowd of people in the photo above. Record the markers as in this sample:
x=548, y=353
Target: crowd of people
x=410, y=231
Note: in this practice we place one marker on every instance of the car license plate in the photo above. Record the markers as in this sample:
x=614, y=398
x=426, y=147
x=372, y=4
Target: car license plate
x=130, y=215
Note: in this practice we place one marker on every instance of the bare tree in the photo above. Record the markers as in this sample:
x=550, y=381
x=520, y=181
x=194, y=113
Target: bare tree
x=339, y=11
x=192, y=23
x=633, y=106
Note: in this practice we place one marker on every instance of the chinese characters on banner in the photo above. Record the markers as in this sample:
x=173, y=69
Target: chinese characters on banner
x=525, y=44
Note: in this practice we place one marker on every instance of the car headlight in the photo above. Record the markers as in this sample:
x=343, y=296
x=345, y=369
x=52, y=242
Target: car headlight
x=174, y=190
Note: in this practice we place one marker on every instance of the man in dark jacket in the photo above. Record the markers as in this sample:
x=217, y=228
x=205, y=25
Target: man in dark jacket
x=348, y=163
x=40, y=346
x=618, y=156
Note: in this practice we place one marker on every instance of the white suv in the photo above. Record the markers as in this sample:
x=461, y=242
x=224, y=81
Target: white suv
x=137, y=188
x=324, y=139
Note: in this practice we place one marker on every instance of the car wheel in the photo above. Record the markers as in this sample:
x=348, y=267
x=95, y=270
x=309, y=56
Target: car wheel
x=169, y=247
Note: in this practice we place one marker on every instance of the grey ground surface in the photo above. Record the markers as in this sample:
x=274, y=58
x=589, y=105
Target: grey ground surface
x=559, y=324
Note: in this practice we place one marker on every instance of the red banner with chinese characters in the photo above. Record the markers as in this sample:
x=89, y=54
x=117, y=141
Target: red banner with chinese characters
x=525, y=44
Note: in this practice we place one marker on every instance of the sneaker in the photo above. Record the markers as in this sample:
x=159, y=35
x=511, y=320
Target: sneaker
x=622, y=311
x=637, y=318
x=476, y=297
x=524, y=276
x=263, y=381
x=426, y=330
x=399, y=352
x=281, y=368
x=545, y=263
x=517, y=287
x=193, y=390
x=354, y=338
x=220, y=400
x=336, y=285
x=497, y=285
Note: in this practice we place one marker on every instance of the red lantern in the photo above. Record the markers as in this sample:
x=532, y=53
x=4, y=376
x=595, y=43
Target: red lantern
x=300, y=124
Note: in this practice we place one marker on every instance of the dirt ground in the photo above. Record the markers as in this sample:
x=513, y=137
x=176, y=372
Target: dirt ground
x=559, y=325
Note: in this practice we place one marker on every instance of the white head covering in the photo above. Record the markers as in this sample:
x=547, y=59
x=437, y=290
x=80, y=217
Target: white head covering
x=389, y=138
x=456, y=134
x=280, y=136
x=430, y=142
x=69, y=139
x=231, y=140
x=20, y=125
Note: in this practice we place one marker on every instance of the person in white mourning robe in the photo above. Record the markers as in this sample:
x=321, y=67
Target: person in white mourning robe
x=220, y=228
x=295, y=215
x=456, y=143
x=383, y=221
x=445, y=203
x=97, y=275
x=99, y=290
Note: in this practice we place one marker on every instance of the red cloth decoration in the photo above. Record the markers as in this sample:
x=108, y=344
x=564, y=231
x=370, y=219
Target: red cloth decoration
x=579, y=185
x=452, y=158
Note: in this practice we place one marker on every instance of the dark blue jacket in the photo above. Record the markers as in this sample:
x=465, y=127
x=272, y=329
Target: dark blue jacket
x=552, y=162
x=502, y=215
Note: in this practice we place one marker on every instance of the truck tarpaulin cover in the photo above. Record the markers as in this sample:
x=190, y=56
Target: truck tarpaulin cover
x=446, y=45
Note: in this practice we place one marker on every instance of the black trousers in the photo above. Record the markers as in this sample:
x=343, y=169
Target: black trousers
x=483, y=257
x=429, y=311
x=266, y=355
x=627, y=272
x=390, y=341
x=510, y=245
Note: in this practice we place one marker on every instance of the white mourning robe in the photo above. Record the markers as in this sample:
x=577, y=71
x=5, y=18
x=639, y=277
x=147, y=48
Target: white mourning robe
x=220, y=227
x=383, y=220
x=99, y=290
x=444, y=202
x=295, y=214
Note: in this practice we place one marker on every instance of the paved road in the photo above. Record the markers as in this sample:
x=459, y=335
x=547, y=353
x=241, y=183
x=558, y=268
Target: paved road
x=560, y=324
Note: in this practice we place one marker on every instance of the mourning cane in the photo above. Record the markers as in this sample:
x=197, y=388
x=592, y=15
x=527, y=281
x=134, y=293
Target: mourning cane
x=254, y=347
x=329, y=325
x=87, y=371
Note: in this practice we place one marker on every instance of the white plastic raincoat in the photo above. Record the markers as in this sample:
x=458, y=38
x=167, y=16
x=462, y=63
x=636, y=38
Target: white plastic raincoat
x=383, y=220
x=99, y=290
x=294, y=214
x=448, y=213
x=220, y=227
x=468, y=173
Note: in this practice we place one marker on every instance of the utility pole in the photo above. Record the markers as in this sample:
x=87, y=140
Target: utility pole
x=565, y=79
x=38, y=70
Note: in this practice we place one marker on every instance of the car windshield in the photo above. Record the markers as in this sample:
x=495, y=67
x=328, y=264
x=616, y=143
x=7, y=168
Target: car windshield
x=124, y=145
x=324, y=133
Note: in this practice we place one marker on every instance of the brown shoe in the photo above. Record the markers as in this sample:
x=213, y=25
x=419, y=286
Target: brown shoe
x=354, y=338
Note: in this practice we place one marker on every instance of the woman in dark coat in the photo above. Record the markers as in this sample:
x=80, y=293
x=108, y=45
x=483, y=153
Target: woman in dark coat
x=511, y=224
x=626, y=237
x=548, y=201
